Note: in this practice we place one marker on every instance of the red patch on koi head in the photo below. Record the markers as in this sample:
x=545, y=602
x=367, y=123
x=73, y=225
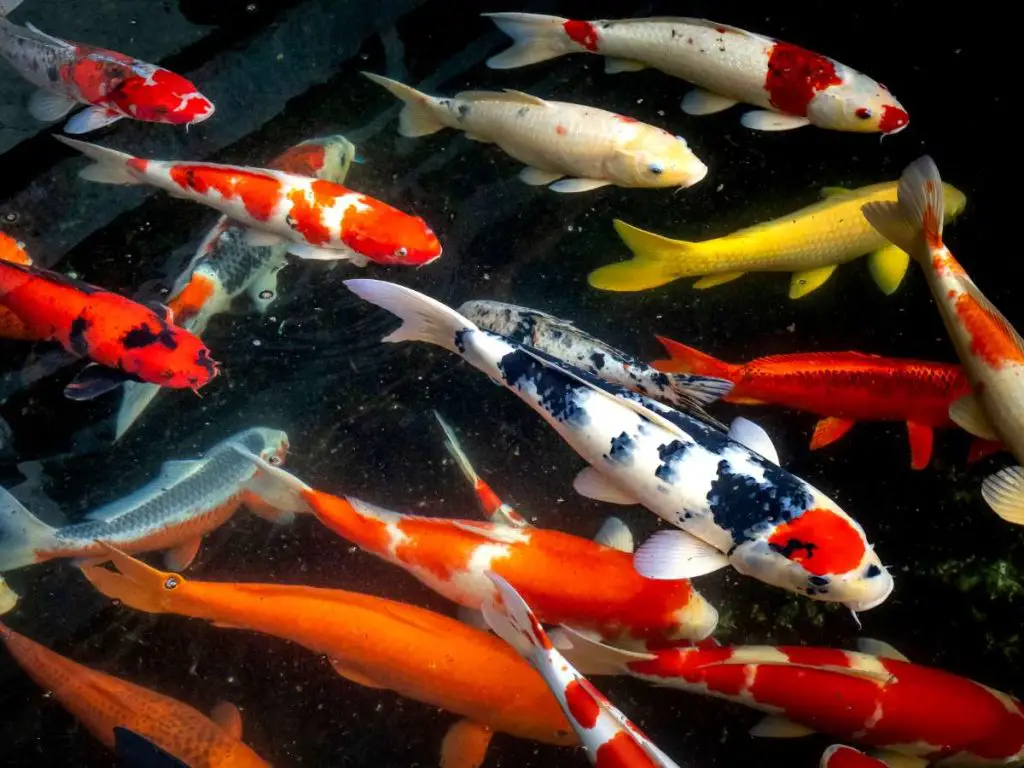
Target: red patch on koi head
x=583, y=33
x=820, y=540
x=992, y=340
x=893, y=119
x=582, y=703
x=159, y=96
x=621, y=751
x=795, y=76
x=387, y=235
x=303, y=160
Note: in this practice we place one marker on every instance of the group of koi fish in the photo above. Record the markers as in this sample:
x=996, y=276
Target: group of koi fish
x=642, y=429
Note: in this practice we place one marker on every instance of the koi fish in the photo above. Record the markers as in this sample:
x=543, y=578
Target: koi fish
x=810, y=243
x=568, y=579
x=839, y=756
x=103, y=704
x=313, y=218
x=990, y=349
x=370, y=641
x=563, y=340
x=11, y=326
x=114, y=86
x=844, y=387
x=875, y=697
x=122, y=338
x=225, y=266
x=590, y=146
x=793, y=86
x=610, y=738
x=185, y=502
x=733, y=506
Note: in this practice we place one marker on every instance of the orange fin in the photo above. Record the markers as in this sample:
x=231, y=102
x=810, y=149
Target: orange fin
x=922, y=438
x=684, y=359
x=180, y=557
x=228, y=718
x=982, y=449
x=829, y=430
x=353, y=675
x=465, y=745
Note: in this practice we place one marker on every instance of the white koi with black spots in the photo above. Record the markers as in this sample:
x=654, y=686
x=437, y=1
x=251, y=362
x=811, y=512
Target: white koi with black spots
x=734, y=506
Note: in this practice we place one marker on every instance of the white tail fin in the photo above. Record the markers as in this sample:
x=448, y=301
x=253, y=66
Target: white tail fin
x=535, y=38
x=418, y=116
x=110, y=166
x=914, y=223
x=22, y=534
x=423, y=318
x=513, y=621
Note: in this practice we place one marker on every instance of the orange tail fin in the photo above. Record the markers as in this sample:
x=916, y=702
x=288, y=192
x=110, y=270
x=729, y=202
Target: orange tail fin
x=684, y=359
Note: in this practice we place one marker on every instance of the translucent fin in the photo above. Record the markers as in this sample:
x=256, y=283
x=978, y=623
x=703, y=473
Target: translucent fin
x=675, y=554
x=535, y=177
x=180, y=557
x=417, y=117
x=535, y=38
x=614, y=66
x=774, y=727
x=966, y=412
x=91, y=119
x=572, y=186
x=616, y=534
x=47, y=106
x=754, y=437
x=1004, y=492
x=763, y=120
x=592, y=484
x=879, y=648
x=700, y=102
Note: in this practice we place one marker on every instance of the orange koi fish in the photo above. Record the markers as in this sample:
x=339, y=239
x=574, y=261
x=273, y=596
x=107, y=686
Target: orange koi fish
x=370, y=641
x=11, y=326
x=844, y=387
x=315, y=218
x=124, y=339
x=105, y=704
x=568, y=579
x=990, y=349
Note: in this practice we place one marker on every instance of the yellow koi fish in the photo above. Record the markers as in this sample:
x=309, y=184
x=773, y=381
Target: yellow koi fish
x=810, y=243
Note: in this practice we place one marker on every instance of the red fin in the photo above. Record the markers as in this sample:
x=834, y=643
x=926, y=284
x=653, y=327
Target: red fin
x=684, y=359
x=226, y=715
x=982, y=449
x=829, y=430
x=922, y=438
x=465, y=745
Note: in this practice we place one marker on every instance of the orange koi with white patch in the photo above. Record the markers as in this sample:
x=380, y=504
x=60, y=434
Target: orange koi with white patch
x=610, y=738
x=104, y=704
x=990, y=349
x=316, y=218
x=875, y=699
x=568, y=579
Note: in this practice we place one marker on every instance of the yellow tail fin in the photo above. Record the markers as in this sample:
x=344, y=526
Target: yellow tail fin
x=656, y=260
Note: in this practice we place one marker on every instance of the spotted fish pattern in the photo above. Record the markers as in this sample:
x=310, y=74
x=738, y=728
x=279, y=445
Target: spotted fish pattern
x=767, y=522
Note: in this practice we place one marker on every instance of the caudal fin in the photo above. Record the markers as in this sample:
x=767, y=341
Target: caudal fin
x=914, y=222
x=656, y=260
x=536, y=37
x=514, y=622
x=684, y=359
x=417, y=117
x=423, y=318
x=22, y=534
x=109, y=165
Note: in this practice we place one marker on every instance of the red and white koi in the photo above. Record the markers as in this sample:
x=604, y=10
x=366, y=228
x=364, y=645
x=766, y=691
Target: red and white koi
x=313, y=218
x=226, y=266
x=590, y=146
x=875, y=698
x=115, y=86
x=991, y=350
x=188, y=500
x=732, y=504
x=568, y=579
x=793, y=86
x=610, y=738
x=840, y=756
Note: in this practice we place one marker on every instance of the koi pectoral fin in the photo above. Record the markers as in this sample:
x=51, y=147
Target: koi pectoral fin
x=887, y=266
x=772, y=727
x=803, y=283
x=95, y=380
x=181, y=557
x=465, y=745
x=710, y=281
x=228, y=718
x=827, y=431
x=968, y=414
x=354, y=675
x=922, y=439
x=675, y=554
x=1004, y=492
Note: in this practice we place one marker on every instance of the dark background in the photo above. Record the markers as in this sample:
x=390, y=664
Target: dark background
x=358, y=413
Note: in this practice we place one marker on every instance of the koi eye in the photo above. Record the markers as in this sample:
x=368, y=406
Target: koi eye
x=275, y=460
x=11, y=217
x=266, y=295
x=171, y=583
x=863, y=113
x=401, y=252
x=656, y=168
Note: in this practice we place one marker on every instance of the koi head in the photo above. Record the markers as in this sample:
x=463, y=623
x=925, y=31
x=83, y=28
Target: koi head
x=386, y=235
x=656, y=158
x=821, y=553
x=326, y=158
x=157, y=95
x=164, y=354
x=858, y=104
x=271, y=445
x=133, y=583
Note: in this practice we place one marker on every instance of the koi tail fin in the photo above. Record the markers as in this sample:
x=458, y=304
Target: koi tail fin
x=417, y=117
x=22, y=534
x=134, y=583
x=684, y=359
x=592, y=657
x=914, y=222
x=535, y=38
x=656, y=260
x=109, y=166
x=423, y=318
x=514, y=622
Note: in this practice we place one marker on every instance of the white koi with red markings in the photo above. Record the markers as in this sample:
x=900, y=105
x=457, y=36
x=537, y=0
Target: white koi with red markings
x=794, y=86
